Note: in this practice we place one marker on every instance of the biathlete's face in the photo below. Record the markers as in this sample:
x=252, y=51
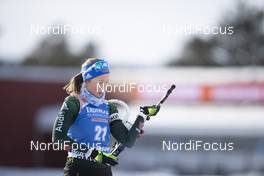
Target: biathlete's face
x=97, y=85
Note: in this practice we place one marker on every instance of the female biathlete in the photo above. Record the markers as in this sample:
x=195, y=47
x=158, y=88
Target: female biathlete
x=86, y=120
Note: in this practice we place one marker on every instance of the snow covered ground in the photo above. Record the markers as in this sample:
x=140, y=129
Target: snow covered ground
x=13, y=171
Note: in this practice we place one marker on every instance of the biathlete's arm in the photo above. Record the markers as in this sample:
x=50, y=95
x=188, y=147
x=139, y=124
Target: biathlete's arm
x=119, y=130
x=65, y=118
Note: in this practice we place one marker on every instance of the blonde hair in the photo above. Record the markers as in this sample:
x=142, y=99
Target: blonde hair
x=75, y=83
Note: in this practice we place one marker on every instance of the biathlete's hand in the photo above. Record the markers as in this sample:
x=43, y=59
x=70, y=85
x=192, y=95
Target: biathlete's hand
x=149, y=111
x=106, y=159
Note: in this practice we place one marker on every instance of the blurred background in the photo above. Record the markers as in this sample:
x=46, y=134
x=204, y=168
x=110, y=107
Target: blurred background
x=213, y=51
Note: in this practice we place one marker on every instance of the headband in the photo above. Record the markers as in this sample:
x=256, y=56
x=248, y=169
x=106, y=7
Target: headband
x=93, y=70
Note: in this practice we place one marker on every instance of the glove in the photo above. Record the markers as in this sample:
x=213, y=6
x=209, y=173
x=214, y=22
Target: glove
x=149, y=111
x=107, y=159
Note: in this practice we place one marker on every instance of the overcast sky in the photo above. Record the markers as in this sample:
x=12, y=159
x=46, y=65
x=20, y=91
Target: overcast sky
x=127, y=32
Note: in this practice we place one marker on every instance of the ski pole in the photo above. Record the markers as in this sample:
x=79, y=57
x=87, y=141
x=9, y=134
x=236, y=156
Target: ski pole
x=118, y=148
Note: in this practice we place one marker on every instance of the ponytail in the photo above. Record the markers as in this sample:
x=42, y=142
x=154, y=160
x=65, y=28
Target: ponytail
x=75, y=84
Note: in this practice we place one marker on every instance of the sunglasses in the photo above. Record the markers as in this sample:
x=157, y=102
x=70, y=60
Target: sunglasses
x=101, y=66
